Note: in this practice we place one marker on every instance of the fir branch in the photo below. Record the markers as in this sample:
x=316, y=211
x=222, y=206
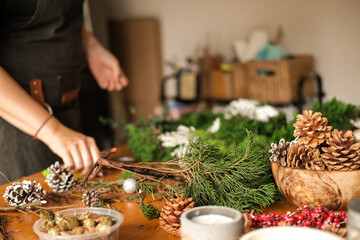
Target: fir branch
x=239, y=178
x=149, y=211
x=145, y=188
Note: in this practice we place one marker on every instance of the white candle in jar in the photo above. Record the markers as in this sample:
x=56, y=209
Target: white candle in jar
x=212, y=219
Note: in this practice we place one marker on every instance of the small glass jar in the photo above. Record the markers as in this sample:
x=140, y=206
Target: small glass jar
x=353, y=219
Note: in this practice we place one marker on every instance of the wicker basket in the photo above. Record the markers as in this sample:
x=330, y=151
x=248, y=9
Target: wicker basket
x=277, y=81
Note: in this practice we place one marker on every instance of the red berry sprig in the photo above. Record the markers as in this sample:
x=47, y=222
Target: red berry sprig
x=317, y=218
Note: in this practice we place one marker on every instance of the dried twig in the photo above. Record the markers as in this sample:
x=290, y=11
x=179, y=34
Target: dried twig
x=58, y=207
x=23, y=208
x=144, y=171
x=93, y=171
x=33, y=207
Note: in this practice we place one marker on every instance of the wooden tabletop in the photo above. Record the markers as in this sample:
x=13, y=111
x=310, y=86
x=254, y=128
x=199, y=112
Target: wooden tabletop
x=135, y=226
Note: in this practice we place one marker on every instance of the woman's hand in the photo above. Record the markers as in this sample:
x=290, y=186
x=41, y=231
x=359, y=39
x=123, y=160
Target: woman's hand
x=103, y=65
x=78, y=151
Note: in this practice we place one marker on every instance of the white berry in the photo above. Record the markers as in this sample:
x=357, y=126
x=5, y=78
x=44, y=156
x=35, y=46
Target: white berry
x=129, y=185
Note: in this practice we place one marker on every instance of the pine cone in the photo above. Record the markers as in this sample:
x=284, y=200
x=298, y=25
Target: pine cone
x=303, y=157
x=60, y=180
x=171, y=211
x=341, y=231
x=341, y=154
x=279, y=152
x=247, y=222
x=19, y=194
x=284, y=224
x=311, y=128
x=91, y=198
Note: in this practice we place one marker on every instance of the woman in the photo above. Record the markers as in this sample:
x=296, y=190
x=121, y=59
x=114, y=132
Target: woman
x=44, y=51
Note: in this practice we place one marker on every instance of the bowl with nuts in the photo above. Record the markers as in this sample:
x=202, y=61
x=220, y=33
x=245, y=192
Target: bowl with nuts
x=89, y=223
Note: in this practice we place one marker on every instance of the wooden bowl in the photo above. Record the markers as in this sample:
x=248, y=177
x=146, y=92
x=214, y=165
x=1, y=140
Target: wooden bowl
x=330, y=189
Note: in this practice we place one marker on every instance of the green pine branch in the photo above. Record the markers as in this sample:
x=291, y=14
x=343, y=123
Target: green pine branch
x=239, y=178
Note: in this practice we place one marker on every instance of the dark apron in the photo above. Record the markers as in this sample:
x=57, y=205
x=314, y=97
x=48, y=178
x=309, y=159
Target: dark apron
x=40, y=39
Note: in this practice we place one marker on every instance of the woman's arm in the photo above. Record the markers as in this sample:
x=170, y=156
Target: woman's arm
x=103, y=65
x=22, y=111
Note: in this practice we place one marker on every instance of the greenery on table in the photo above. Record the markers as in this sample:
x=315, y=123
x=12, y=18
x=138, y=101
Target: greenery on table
x=229, y=167
x=142, y=136
x=338, y=113
x=144, y=143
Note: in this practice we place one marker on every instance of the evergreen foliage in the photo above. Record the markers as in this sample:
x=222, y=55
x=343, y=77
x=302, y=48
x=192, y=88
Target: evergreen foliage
x=337, y=113
x=144, y=143
x=149, y=211
x=145, y=187
x=200, y=120
x=142, y=138
x=239, y=177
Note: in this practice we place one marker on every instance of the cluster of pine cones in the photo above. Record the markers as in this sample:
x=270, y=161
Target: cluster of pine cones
x=316, y=147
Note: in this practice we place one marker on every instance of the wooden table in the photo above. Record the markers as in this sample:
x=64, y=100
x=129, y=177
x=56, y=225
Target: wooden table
x=135, y=226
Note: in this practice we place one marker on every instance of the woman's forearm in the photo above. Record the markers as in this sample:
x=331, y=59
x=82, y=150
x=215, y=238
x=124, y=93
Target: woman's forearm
x=19, y=109
x=90, y=44
x=103, y=64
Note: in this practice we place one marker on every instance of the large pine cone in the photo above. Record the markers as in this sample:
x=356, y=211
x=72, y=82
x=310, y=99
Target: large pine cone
x=60, y=180
x=19, y=194
x=303, y=157
x=341, y=154
x=91, y=198
x=311, y=128
x=171, y=211
x=279, y=152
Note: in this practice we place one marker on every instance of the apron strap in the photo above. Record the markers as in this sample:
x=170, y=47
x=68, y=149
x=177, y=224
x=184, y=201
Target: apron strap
x=38, y=94
x=37, y=91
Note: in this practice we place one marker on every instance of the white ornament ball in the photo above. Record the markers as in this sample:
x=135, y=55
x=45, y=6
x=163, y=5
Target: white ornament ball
x=129, y=185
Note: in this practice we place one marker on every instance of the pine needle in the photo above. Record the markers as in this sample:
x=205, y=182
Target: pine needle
x=3, y=174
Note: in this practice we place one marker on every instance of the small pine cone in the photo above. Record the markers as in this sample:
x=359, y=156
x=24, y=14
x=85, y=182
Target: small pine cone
x=279, y=152
x=341, y=153
x=91, y=198
x=284, y=224
x=247, y=222
x=170, y=214
x=341, y=231
x=311, y=128
x=60, y=180
x=303, y=157
x=19, y=194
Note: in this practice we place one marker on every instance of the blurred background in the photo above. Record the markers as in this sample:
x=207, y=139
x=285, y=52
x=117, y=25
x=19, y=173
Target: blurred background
x=200, y=53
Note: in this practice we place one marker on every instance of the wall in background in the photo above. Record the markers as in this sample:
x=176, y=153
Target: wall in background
x=327, y=29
